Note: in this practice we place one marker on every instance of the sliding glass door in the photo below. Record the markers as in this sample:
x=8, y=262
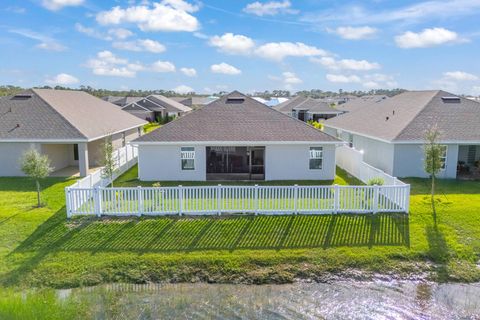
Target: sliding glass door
x=235, y=163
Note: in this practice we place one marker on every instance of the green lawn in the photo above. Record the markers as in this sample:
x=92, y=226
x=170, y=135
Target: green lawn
x=149, y=127
x=39, y=247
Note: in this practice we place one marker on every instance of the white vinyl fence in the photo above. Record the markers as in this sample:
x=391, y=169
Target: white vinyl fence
x=236, y=199
x=125, y=158
x=351, y=160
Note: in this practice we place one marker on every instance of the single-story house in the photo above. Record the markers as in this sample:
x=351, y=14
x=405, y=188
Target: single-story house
x=154, y=106
x=67, y=126
x=306, y=108
x=391, y=132
x=194, y=102
x=236, y=138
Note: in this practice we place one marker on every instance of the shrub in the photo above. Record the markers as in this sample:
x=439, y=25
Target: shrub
x=315, y=124
x=375, y=181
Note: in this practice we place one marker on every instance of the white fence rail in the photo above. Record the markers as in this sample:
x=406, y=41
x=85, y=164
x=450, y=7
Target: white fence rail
x=237, y=199
x=351, y=160
x=125, y=158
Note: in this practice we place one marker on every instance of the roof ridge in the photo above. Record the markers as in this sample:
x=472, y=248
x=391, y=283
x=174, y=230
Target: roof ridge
x=58, y=113
x=416, y=114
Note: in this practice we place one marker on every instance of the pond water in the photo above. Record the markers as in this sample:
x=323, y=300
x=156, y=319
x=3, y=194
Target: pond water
x=337, y=300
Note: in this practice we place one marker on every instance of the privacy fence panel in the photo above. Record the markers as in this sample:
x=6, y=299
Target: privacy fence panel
x=220, y=199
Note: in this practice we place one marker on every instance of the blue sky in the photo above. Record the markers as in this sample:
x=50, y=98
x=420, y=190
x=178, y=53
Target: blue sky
x=212, y=46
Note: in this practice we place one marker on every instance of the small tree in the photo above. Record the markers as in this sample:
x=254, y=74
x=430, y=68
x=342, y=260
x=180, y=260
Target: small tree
x=108, y=162
x=37, y=167
x=433, y=159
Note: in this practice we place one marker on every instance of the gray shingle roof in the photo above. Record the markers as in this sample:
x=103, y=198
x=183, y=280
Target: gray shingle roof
x=305, y=103
x=356, y=103
x=406, y=116
x=61, y=115
x=244, y=120
x=169, y=104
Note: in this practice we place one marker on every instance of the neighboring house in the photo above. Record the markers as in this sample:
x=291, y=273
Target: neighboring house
x=194, y=102
x=275, y=101
x=152, y=107
x=236, y=138
x=391, y=132
x=68, y=126
x=355, y=103
x=306, y=108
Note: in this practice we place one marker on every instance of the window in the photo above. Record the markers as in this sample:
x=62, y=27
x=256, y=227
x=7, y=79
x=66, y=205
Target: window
x=316, y=158
x=75, y=152
x=124, y=140
x=187, y=156
x=443, y=157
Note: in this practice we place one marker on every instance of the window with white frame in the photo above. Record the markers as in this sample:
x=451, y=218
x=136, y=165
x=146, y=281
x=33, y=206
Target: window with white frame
x=187, y=156
x=443, y=157
x=316, y=158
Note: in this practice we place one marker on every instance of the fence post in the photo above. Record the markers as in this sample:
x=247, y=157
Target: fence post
x=67, y=204
x=376, y=189
x=295, y=198
x=140, y=198
x=336, y=198
x=219, y=204
x=180, y=200
x=98, y=201
x=256, y=199
x=407, y=199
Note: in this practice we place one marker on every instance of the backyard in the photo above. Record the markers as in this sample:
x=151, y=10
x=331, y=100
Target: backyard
x=40, y=247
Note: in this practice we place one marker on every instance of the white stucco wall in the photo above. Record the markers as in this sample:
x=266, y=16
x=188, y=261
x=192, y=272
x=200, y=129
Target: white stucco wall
x=409, y=161
x=162, y=163
x=59, y=155
x=376, y=153
x=282, y=162
x=291, y=162
x=10, y=154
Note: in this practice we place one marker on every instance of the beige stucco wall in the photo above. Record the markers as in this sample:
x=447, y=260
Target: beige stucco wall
x=10, y=154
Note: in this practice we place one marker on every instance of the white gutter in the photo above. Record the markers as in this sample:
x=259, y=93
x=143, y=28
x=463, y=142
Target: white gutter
x=235, y=143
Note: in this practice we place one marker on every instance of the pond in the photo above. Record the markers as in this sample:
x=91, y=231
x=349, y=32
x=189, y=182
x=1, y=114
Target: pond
x=337, y=300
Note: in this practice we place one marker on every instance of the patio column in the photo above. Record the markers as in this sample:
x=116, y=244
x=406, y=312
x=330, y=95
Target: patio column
x=83, y=159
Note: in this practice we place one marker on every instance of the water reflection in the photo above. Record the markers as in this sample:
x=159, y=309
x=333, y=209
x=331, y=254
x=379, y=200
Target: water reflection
x=339, y=300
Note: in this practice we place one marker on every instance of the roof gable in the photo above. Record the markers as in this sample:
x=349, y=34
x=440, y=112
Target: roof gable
x=236, y=117
x=169, y=104
x=91, y=116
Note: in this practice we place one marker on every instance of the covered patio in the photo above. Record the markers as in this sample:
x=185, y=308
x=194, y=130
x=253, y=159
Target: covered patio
x=468, y=167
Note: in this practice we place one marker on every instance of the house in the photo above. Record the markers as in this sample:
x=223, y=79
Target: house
x=391, y=132
x=194, y=102
x=353, y=104
x=236, y=138
x=153, y=107
x=306, y=108
x=67, y=126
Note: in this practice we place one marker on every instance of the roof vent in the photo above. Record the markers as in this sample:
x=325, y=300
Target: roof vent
x=233, y=100
x=21, y=96
x=451, y=99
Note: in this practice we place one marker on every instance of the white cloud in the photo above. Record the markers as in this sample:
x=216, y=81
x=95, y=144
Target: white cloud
x=56, y=5
x=270, y=8
x=183, y=89
x=107, y=64
x=91, y=32
x=163, y=66
x=355, y=33
x=460, y=76
x=225, y=68
x=120, y=33
x=418, y=12
x=189, y=72
x=51, y=46
x=232, y=43
x=166, y=15
x=346, y=64
x=426, y=38
x=140, y=45
x=291, y=78
x=279, y=50
x=62, y=79
x=340, y=78
x=45, y=42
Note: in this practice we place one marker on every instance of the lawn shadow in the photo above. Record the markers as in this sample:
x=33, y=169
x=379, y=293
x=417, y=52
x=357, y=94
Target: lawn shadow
x=189, y=234
x=438, y=251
